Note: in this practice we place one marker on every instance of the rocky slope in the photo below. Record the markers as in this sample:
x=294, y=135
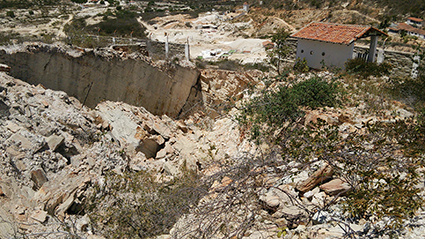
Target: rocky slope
x=54, y=151
x=56, y=154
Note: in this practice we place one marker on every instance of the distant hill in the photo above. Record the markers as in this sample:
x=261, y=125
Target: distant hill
x=414, y=8
x=28, y=3
x=380, y=9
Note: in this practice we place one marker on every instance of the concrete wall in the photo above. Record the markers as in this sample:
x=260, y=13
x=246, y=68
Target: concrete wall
x=315, y=52
x=93, y=77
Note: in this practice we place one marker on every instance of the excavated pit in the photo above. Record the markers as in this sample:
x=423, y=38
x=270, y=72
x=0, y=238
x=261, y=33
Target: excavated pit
x=93, y=76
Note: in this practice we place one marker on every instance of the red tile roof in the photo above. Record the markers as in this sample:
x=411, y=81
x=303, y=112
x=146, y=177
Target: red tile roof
x=408, y=28
x=334, y=33
x=415, y=19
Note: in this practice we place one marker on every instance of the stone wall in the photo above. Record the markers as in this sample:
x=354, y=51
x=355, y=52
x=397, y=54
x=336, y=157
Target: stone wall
x=402, y=62
x=95, y=76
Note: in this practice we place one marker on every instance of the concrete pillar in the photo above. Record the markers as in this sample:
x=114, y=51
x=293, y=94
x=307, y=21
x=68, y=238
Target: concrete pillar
x=381, y=56
x=166, y=47
x=186, y=50
x=414, y=73
x=372, y=48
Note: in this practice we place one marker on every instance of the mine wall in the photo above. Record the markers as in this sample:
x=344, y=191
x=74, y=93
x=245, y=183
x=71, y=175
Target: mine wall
x=94, y=76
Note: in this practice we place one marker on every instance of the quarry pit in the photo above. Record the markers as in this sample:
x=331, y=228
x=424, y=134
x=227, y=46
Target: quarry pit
x=96, y=75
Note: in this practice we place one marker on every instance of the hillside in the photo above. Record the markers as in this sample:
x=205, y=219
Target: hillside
x=105, y=134
x=72, y=171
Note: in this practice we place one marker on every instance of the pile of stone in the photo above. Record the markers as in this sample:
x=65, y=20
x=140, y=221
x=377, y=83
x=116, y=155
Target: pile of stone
x=54, y=151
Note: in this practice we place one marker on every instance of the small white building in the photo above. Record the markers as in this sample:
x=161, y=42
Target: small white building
x=408, y=29
x=327, y=44
x=245, y=7
x=416, y=22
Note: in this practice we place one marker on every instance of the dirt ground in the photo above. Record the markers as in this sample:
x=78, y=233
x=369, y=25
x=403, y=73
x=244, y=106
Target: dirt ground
x=213, y=35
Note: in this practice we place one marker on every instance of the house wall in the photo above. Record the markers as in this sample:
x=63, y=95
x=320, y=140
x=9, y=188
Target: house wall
x=415, y=23
x=316, y=52
x=416, y=34
x=402, y=62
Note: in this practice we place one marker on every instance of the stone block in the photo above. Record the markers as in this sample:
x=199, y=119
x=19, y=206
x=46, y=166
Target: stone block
x=38, y=177
x=54, y=141
x=335, y=187
x=39, y=215
x=316, y=178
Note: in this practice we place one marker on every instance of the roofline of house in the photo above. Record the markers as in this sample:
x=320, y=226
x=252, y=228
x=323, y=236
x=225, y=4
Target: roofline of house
x=406, y=27
x=415, y=19
x=358, y=36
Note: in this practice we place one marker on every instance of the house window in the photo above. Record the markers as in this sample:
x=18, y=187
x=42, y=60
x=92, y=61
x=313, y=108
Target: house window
x=323, y=53
x=311, y=52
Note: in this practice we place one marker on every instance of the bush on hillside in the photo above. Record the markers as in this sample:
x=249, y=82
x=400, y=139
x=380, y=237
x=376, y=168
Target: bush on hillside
x=10, y=14
x=119, y=27
x=365, y=69
x=140, y=206
x=383, y=177
x=274, y=108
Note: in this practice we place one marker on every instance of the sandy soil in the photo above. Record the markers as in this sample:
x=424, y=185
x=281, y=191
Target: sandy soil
x=223, y=35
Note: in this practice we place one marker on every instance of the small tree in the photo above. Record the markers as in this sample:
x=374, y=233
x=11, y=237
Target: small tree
x=281, y=49
x=10, y=14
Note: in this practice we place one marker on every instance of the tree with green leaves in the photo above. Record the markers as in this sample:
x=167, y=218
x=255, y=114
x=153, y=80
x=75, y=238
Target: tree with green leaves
x=281, y=49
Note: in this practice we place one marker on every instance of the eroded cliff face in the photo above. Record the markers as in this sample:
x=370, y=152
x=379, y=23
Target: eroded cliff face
x=98, y=75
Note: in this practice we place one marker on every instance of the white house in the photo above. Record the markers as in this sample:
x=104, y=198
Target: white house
x=245, y=7
x=408, y=29
x=332, y=44
x=416, y=22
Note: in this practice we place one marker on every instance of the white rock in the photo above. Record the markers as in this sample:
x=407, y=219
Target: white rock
x=39, y=215
x=311, y=193
x=54, y=141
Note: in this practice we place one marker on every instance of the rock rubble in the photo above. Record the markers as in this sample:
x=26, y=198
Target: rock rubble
x=55, y=152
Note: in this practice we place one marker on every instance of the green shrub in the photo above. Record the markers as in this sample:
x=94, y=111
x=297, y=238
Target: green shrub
x=274, y=108
x=301, y=65
x=140, y=206
x=384, y=176
x=365, y=69
x=119, y=26
x=315, y=93
x=10, y=14
x=384, y=183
